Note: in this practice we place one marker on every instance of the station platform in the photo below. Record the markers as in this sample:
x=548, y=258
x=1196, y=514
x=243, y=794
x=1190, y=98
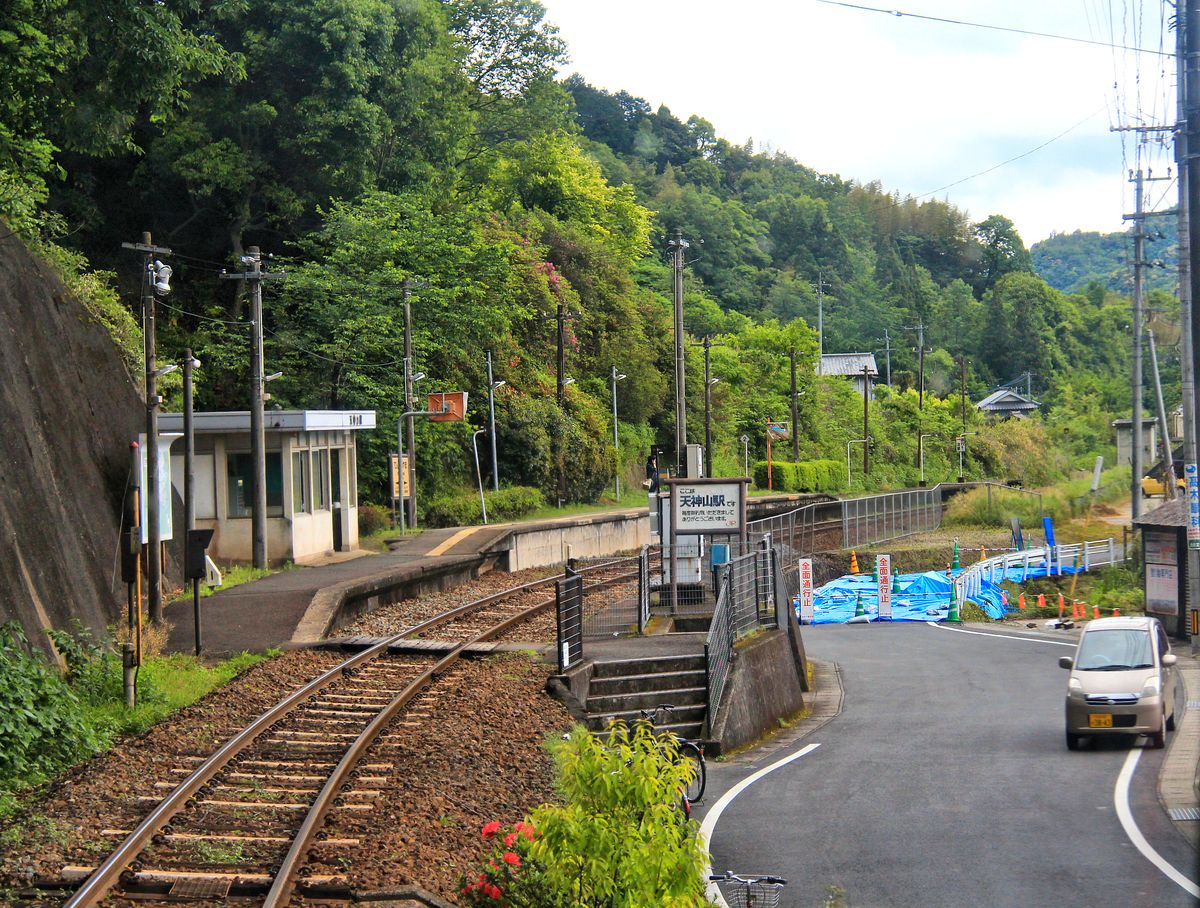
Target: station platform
x=275, y=610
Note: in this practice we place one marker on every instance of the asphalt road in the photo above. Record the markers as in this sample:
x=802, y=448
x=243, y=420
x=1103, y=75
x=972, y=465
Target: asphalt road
x=946, y=781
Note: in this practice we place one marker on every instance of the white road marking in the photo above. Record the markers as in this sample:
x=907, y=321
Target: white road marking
x=961, y=630
x=711, y=818
x=1120, y=793
x=1121, y=800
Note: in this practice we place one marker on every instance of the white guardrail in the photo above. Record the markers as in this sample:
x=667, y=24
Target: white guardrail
x=1086, y=555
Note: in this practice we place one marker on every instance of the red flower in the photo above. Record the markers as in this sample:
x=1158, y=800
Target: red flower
x=490, y=829
x=493, y=890
x=509, y=839
x=513, y=859
x=526, y=829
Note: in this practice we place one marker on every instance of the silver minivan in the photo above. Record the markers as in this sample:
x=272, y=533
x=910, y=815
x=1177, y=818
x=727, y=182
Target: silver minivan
x=1122, y=681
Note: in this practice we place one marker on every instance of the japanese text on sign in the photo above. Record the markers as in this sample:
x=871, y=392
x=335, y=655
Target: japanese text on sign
x=1193, y=490
x=883, y=569
x=708, y=508
x=806, y=590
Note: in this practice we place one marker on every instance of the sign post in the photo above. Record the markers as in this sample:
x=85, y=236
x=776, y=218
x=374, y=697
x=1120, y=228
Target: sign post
x=806, y=591
x=700, y=507
x=883, y=570
x=1193, y=491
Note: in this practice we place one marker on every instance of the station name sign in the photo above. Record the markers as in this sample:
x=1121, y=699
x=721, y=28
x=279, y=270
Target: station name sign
x=712, y=506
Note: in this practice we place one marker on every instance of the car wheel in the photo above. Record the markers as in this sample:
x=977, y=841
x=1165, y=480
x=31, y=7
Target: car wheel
x=1072, y=741
x=1171, y=722
x=1158, y=740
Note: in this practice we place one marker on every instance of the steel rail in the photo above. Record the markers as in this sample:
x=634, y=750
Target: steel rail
x=102, y=880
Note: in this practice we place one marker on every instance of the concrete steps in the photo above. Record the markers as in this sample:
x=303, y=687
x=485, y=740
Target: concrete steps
x=619, y=688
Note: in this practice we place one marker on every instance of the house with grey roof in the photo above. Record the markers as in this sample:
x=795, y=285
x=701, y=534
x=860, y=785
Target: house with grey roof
x=860, y=367
x=1007, y=402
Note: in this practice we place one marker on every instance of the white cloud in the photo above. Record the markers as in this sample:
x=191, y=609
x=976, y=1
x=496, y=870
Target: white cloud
x=915, y=104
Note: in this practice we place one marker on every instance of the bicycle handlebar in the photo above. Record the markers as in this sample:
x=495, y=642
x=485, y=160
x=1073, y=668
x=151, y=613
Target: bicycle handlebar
x=730, y=877
x=653, y=712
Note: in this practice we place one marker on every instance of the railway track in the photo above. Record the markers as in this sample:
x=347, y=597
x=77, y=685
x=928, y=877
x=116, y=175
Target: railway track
x=244, y=820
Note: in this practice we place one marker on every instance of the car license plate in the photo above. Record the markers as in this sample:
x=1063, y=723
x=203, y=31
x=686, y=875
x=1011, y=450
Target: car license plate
x=1099, y=720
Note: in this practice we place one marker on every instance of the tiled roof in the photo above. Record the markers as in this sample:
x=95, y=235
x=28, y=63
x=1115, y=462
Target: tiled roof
x=1007, y=399
x=1169, y=514
x=848, y=364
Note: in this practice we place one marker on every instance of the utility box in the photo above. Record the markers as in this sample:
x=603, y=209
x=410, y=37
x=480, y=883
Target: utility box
x=197, y=547
x=695, y=461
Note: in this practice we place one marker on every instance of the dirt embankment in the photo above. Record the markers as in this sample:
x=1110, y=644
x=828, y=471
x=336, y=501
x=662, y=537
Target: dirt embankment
x=68, y=410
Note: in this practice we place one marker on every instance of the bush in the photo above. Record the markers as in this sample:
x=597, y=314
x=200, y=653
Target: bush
x=618, y=839
x=463, y=509
x=372, y=518
x=805, y=476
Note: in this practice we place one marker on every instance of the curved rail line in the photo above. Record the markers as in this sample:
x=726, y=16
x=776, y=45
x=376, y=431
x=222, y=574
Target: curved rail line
x=111, y=872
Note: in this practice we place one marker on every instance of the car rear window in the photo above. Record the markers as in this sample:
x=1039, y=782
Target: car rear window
x=1115, y=650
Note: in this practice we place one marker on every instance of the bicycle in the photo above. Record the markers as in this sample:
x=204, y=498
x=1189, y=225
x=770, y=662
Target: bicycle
x=751, y=891
x=687, y=750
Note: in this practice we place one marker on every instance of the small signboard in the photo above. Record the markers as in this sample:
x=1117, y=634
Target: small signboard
x=1193, y=490
x=166, y=520
x=778, y=430
x=715, y=506
x=883, y=570
x=398, y=474
x=960, y=445
x=1160, y=548
x=448, y=406
x=806, y=591
x=1162, y=589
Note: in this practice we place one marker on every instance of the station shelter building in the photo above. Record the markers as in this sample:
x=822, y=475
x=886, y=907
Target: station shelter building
x=312, y=480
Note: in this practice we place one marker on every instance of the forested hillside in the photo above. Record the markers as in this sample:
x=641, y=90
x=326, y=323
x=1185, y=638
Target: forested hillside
x=1070, y=261
x=370, y=142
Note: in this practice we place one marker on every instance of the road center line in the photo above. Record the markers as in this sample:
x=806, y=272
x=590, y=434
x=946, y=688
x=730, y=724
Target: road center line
x=1120, y=792
x=1121, y=801
x=711, y=818
x=960, y=630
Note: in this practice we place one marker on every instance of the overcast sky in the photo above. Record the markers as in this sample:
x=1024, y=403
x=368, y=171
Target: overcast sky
x=914, y=104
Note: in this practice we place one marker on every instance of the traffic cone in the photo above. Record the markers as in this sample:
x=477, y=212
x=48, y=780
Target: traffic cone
x=955, y=565
x=875, y=571
x=853, y=562
x=1062, y=603
x=1077, y=610
x=1095, y=611
x=1021, y=602
x=982, y=554
x=1116, y=613
x=1041, y=600
x=952, y=615
x=895, y=583
x=858, y=609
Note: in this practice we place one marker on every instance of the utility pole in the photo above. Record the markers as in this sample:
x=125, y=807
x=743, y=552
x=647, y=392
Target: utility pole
x=407, y=287
x=1164, y=431
x=492, y=386
x=1135, y=425
x=678, y=245
x=962, y=390
x=615, y=377
x=887, y=344
x=189, y=441
x=866, y=370
x=1187, y=38
x=708, y=383
x=921, y=351
x=795, y=410
x=821, y=285
x=254, y=277
x=151, y=281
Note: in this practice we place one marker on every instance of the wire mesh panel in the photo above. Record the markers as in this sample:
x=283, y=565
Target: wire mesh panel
x=611, y=597
x=874, y=519
x=643, y=589
x=568, y=605
x=718, y=652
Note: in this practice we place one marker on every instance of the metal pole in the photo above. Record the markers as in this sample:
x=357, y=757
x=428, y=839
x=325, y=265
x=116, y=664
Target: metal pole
x=1135, y=425
x=189, y=444
x=400, y=466
x=866, y=420
x=887, y=342
x=616, y=439
x=258, y=437
x=746, y=455
x=492, y=423
x=407, y=287
x=153, y=530
x=708, y=467
x=478, y=474
x=795, y=414
x=677, y=245
x=1164, y=430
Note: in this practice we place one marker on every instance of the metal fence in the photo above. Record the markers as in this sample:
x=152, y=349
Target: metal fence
x=568, y=608
x=1082, y=555
x=612, y=596
x=878, y=518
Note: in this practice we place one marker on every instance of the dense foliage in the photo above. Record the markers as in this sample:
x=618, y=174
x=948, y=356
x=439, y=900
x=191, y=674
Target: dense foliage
x=1071, y=261
x=385, y=149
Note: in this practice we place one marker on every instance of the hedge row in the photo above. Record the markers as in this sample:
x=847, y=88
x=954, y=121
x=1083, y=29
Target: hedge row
x=805, y=476
x=462, y=508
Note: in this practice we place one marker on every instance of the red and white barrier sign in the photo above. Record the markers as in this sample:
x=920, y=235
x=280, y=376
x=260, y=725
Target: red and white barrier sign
x=806, y=590
x=883, y=570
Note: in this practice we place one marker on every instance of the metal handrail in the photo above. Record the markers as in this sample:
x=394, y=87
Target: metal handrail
x=1090, y=553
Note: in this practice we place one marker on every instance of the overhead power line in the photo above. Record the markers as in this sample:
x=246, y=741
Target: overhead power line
x=996, y=28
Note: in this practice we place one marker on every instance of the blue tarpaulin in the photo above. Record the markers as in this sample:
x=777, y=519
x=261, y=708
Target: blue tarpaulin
x=921, y=597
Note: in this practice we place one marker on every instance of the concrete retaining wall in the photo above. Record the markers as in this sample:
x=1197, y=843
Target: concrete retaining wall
x=766, y=684
x=541, y=544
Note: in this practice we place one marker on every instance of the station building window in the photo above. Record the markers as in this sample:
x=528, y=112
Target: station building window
x=301, y=492
x=240, y=473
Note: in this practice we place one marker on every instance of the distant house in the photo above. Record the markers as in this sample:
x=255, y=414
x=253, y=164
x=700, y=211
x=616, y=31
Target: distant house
x=851, y=365
x=1007, y=402
x=1150, y=452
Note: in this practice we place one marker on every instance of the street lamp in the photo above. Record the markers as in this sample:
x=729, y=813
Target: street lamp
x=921, y=451
x=746, y=455
x=267, y=378
x=568, y=381
x=856, y=441
x=708, y=442
x=493, y=386
x=615, y=377
x=478, y=475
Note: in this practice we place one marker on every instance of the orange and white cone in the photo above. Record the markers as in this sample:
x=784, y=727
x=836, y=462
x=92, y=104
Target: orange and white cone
x=853, y=562
x=1021, y=602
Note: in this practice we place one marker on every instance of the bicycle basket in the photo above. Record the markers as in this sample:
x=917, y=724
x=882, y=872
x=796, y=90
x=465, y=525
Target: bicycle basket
x=756, y=895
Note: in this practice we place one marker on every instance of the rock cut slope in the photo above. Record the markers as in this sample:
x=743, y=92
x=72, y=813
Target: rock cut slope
x=68, y=411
